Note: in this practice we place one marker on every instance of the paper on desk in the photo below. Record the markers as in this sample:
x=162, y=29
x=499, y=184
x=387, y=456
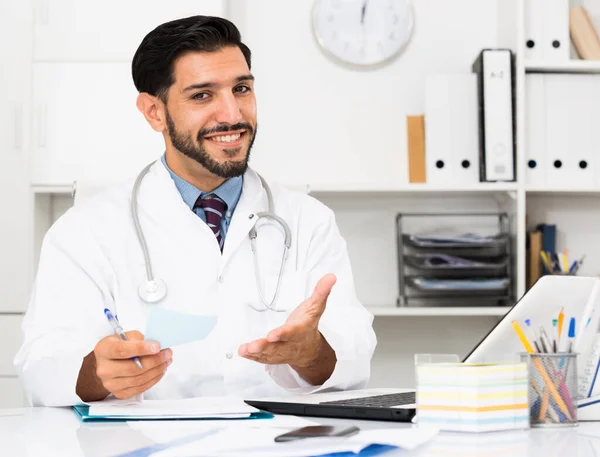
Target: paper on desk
x=171, y=328
x=201, y=407
x=13, y=412
x=250, y=442
x=165, y=431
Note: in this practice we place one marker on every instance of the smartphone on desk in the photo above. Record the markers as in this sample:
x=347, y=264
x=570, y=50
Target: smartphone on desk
x=317, y=431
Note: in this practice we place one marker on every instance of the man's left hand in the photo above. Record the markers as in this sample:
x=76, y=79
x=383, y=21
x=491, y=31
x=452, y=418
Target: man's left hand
x=298, y=342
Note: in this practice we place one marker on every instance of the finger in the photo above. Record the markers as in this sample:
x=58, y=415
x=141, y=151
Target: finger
x=109, y=368
x=321, y=293
x=134, y=335
x=286, y=332
x=114, y=348
x=120, y=384
x=253, y=347
x=274, y=353
x=133, y=391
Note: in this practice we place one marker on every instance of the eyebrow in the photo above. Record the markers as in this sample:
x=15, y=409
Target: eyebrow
x=207, y=85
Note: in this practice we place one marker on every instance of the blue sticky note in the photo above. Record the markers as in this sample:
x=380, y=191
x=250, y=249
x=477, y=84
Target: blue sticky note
x=172, y=328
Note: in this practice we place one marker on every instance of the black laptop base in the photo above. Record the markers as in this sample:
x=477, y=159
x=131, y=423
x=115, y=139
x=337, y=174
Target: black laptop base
x=336, y=411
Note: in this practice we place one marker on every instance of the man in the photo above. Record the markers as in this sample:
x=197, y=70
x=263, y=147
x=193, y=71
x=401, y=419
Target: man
x=196, y=206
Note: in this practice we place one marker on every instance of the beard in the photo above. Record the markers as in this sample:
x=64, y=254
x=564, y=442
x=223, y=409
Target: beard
x=196, y=151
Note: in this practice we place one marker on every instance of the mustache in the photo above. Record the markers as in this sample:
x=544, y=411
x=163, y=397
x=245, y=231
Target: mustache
x=223, y=128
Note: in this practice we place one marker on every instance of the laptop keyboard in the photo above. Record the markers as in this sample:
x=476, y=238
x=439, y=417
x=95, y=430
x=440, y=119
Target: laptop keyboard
x=377, y=401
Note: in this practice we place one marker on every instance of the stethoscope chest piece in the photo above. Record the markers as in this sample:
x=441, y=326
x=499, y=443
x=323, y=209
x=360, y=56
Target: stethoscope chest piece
x=153, y=291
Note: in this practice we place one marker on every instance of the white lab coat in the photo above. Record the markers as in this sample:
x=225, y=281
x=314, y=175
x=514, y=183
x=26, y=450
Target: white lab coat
x=91, y=259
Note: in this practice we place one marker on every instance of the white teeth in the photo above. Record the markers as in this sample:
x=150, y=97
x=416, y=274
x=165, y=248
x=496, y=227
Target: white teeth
x=227, y=138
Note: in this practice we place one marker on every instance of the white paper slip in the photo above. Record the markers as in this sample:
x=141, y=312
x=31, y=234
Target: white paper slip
x=171, y=328
x=250, y=442
x=165, y=431
x=201, y=408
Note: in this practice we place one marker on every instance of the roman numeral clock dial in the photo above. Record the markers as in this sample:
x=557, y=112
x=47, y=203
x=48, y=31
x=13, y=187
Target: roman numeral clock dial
x=362, y=32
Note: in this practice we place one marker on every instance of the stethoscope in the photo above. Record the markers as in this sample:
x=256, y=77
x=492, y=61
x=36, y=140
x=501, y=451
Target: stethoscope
x=154, y=289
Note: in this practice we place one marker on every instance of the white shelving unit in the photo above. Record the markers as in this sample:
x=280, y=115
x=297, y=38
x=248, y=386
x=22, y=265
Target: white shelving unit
x=462, y=311
x=571, y=66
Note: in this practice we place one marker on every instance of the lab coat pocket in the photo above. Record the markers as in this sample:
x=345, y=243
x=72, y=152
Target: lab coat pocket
x=292, y=292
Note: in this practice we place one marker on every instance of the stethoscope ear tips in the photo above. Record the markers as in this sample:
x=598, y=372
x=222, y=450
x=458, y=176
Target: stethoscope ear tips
x=152, y=291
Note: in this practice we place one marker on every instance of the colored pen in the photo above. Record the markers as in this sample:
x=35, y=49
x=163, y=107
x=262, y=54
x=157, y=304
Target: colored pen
x=542, y=371
x=531, y=336
x=545, y=340
x=555, y=335
x=571, y=334
x=114, y=323
x=561, y=319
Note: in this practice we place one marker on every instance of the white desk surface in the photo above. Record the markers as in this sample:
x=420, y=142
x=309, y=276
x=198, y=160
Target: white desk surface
x=52, y=432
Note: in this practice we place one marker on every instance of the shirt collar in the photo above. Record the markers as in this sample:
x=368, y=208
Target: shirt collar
x=230, y=191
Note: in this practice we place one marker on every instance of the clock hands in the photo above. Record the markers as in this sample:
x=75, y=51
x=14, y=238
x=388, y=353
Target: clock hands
x=363, y=11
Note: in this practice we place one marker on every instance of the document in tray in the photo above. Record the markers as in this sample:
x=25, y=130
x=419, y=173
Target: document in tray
x=189, y=408
x=172, y=328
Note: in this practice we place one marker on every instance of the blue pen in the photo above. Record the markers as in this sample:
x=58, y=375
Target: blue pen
x=114, y=323
x=573, y=265
x=571, y=334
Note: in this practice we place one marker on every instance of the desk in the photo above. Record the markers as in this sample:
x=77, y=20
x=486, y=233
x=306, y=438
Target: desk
x=49, y=432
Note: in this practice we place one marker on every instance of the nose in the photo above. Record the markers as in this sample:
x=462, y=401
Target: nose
x=228, y=110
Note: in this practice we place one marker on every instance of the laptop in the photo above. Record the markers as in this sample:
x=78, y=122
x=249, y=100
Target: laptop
x=540, y=304
x=375, y=404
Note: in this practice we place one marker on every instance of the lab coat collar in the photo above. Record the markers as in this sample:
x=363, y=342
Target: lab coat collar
x=165, y=202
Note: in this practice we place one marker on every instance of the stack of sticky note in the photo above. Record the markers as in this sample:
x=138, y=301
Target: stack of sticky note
x=472, y=397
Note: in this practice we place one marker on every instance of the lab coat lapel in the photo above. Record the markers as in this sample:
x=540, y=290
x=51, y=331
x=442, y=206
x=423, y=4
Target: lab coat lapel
x=252, y=200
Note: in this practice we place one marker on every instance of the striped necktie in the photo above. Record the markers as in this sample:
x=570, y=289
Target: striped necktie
x=214, y=208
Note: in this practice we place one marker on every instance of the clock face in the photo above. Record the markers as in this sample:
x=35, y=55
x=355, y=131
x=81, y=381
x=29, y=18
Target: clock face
x=363, y=32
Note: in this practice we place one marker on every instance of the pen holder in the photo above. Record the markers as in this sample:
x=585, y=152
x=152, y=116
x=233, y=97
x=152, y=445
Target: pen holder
x=552, y=389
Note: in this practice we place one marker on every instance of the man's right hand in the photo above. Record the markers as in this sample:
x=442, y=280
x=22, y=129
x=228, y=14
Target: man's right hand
x=109, y=368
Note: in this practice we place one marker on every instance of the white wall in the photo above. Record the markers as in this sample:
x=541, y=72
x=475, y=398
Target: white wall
x=315, y=115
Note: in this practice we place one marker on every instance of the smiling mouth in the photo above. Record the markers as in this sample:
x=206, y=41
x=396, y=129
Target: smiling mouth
x=230, y=139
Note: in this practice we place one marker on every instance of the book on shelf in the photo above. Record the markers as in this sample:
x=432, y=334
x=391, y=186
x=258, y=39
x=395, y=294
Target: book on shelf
x=583, y=34
x=415, y=127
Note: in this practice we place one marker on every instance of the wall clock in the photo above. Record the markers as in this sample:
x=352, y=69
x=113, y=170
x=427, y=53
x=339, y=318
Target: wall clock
x=363, y=32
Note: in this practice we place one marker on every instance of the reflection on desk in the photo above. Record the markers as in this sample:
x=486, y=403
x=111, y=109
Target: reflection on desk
x=53, y=432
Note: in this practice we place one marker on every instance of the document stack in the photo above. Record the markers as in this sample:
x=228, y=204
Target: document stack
x=472, y=397
x=446, y=259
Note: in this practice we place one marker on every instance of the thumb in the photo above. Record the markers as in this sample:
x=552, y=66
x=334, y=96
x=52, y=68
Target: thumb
x=321, y=293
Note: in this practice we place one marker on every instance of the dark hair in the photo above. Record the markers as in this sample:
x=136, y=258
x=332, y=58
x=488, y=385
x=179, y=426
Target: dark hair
x=152, y=66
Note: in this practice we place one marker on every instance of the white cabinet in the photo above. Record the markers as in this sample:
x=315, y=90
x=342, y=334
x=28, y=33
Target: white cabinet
x=86, y=126
x=10, y=329
x=11, y=393
x=108, y=30
x=15, y=198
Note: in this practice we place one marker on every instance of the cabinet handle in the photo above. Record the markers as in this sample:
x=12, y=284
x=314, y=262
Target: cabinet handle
x=18, y=126
x=42, y=125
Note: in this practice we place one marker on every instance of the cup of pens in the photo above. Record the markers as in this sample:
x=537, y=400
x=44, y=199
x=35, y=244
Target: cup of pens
x=552, y=389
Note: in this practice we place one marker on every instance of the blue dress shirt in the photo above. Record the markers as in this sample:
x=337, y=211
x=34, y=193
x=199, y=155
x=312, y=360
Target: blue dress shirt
x=230, y=192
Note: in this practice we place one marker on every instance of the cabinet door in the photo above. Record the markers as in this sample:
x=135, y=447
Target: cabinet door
x=11, y=393
x=108, y=30
x=10, y=341
x=86, y=125
x=15, y=196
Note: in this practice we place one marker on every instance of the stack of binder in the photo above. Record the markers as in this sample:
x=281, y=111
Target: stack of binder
x=455, y=269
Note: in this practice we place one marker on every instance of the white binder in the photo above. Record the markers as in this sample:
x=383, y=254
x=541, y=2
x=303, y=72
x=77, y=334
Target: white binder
x=555, y=25
x=571, y=130
x=534, y=29
x=451, y=141
x=496, y=115
x=535, y=125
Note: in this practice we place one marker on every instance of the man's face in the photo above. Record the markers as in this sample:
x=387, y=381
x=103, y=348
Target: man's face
x=211, y=110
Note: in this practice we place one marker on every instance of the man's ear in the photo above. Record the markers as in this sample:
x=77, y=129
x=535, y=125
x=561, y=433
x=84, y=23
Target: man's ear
x=152, y=109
